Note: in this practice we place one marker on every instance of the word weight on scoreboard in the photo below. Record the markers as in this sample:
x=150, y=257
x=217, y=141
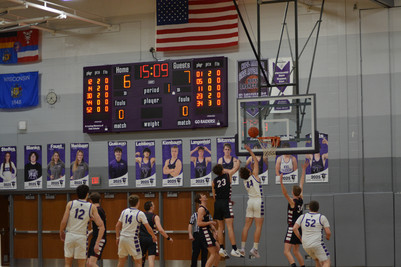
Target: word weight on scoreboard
x=164, y=95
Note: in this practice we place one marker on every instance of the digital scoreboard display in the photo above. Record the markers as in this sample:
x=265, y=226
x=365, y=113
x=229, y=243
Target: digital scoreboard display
x=162, y=95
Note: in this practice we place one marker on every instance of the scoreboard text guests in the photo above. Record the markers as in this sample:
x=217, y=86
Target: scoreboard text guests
x=162, y=95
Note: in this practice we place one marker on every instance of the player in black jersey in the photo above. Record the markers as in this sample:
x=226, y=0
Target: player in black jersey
x=207, y=231
x=294, y=210
x=221, y=188
x=92, y=256
x=145, y=239
x=200, y=162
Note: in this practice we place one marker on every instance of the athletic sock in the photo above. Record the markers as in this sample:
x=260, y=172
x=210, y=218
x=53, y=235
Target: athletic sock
x=294, y=265
x=222, y=246
x=256, y=245
x=234, y=247
x=243, y=245
x=303, y=266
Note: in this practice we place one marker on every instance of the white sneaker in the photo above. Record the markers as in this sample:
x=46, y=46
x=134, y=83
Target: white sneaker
x=242, y=252
x=223, y=253
x=254, y=252
x=236, y=253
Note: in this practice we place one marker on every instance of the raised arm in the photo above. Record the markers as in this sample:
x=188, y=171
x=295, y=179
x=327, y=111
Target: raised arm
x=255, y=170
x=302, y=181
x=285, y=193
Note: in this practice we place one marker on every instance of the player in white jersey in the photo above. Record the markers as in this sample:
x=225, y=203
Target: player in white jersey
x=74, y=227
x=312, y=225
x=255, y=209
x=127, y=232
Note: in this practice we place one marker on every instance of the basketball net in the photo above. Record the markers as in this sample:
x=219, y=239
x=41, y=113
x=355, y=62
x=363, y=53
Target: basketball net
x=269, y=145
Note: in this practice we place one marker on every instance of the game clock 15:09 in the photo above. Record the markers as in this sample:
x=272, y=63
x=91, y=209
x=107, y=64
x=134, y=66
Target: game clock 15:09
x=162, y=95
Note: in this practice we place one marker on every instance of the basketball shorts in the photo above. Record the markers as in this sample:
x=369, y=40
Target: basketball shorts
x=255, y=208
x=223, y=209
x=290, y=236
x=75, y=246
x=129, y=246
x=91, y=250
x=147, y=245
x=206, y=237
x=318, y=253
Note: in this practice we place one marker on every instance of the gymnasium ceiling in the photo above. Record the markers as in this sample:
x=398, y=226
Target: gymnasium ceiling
x=62, y=16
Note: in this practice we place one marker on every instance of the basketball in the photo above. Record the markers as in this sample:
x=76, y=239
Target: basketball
x=253, y=132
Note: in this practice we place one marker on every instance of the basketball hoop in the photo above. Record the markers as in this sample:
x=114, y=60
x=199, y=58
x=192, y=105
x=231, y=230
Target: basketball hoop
x=269, y=145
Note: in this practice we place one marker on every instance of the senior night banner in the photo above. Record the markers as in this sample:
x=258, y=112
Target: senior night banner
x=19, y=90
x=79, y=168
x=118, y=166
x=145, y=164
x=33, y=167
x=318, y=169
x=56, y=166
x=201, y=158
x=287, y=165
x=8, y=167
x=172, y=163
x=226, y=156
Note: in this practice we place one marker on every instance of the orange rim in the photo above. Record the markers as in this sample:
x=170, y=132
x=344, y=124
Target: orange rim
x=274, y=139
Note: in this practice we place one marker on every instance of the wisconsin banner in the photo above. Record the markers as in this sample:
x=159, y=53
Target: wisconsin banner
x=19, y=47
x=19, y=90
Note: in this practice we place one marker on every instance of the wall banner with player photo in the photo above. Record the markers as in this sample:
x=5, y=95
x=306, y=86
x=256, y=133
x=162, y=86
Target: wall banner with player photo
x=118, y=166
x=263, y=166
x=318, y=169
x=248, y=78
x=201, y=158
x=56, y=166
x=287, y=165
x=281, y=73
x=33, y=167
x=145, y=164
x=79, y=168
x=172, y=163
x=8, y=167
x=226, y=156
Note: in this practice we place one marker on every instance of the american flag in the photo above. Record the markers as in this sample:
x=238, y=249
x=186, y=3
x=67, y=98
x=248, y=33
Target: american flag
x=196, y=24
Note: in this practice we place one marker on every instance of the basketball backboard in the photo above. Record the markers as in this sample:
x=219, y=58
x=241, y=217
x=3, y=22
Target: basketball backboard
x=292, y=118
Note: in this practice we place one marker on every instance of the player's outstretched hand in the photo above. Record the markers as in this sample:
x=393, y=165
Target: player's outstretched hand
x=247, y=147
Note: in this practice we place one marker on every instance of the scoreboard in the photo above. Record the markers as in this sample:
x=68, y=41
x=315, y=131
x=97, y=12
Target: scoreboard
x=161, y=95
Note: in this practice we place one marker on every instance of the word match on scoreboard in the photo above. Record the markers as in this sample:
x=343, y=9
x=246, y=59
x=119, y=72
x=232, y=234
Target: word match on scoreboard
x=162, y=95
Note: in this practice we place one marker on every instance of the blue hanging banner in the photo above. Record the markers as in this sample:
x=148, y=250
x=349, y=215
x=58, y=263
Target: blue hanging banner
x=19, y=90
